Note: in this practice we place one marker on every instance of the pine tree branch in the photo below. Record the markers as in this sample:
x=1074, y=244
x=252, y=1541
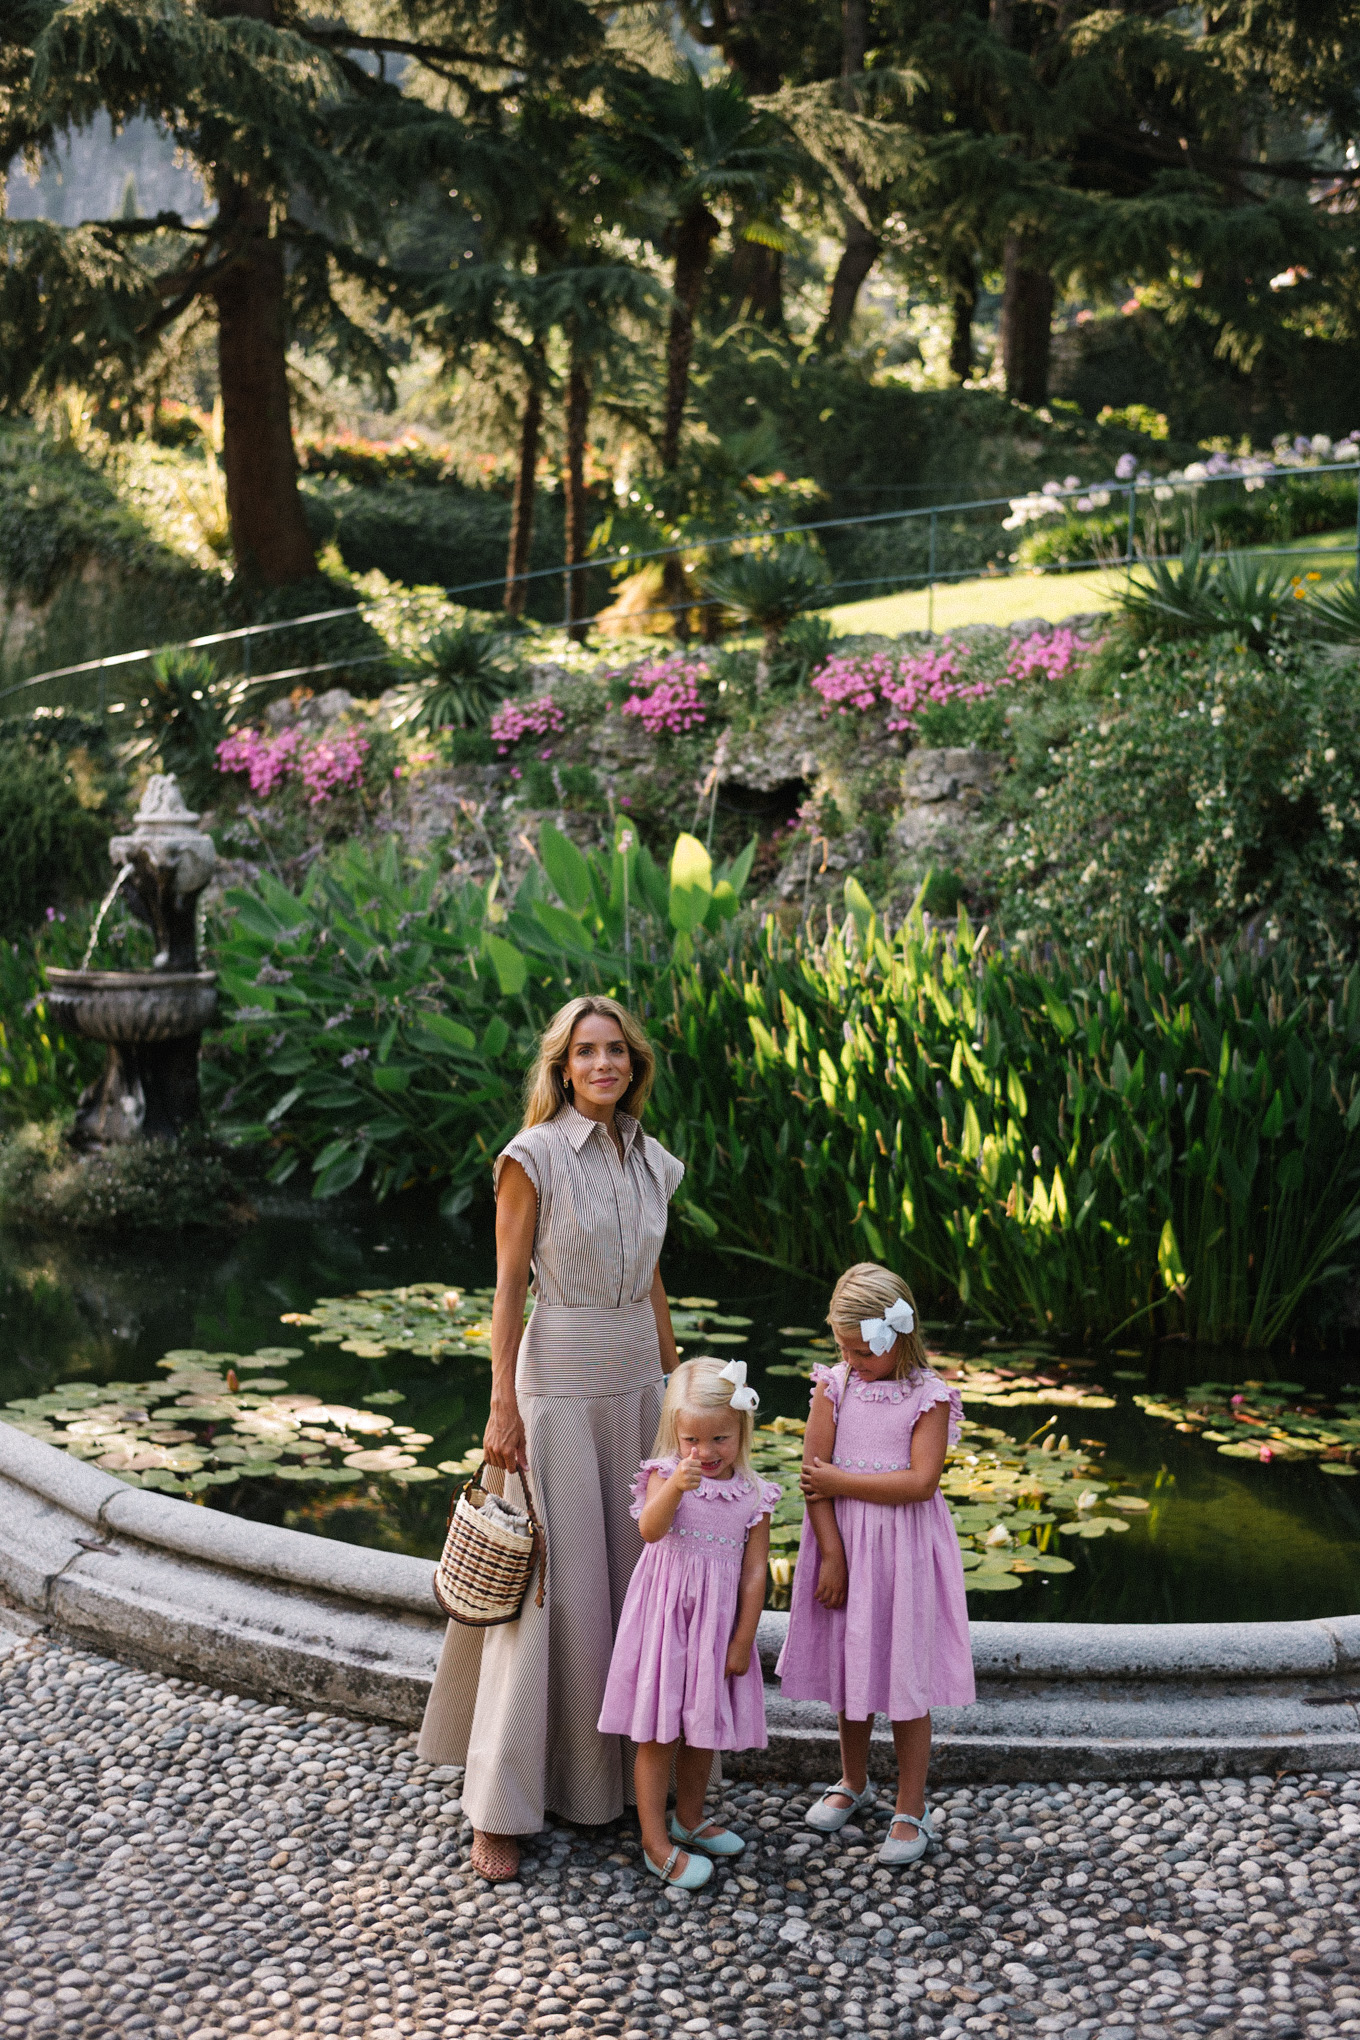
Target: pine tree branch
x=170, y=222
x=433, y=54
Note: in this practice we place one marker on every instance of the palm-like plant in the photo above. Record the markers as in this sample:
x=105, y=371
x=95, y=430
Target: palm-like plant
x=768, y=589
x=678, y=147
x=1199, y=596
x=1333, y=613
x=460, y=675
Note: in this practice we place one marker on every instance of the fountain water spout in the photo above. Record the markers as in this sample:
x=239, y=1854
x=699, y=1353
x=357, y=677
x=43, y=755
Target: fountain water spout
x=104, y=905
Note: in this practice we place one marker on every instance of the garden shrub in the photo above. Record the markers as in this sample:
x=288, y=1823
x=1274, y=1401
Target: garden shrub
x=54, y=828
x=1214, y=789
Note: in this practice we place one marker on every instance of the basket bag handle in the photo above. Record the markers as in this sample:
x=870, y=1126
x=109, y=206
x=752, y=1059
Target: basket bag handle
x=540, y=1551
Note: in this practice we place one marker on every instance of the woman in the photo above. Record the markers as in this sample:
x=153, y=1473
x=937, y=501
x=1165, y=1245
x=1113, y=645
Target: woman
x=581, y=1197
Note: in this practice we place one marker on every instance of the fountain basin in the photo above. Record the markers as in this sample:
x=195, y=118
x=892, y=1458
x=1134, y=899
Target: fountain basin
x=127, y=1006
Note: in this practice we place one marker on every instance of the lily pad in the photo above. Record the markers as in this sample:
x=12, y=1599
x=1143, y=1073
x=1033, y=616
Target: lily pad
x=1246, y=1449
x=1335, y=1466
x=985, y=1581
x=1049, y=1562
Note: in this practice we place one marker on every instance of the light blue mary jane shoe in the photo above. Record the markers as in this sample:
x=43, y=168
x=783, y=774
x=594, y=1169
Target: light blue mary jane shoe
x=909, y=1848
x=695, y=1874
x=710, y=1836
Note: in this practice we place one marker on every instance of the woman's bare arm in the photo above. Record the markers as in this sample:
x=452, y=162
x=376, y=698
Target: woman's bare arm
x=822, y=1482
x=665, y=1330
x=516, y=1217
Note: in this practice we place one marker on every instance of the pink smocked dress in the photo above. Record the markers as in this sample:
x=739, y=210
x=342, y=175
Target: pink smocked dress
x=667, y=1674
x=899, y=1646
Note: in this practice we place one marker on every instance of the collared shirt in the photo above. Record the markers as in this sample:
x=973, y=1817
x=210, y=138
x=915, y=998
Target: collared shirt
x=601, y=1221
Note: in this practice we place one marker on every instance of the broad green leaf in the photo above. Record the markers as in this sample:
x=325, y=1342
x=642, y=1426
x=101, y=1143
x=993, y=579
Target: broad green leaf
x=393, y=1077
x=691, y=884
x=566, y=868
x=451, y=1032
x=563, y=927
x=512, y=971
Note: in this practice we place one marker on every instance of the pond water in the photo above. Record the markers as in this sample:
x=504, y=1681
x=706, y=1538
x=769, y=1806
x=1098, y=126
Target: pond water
x=1222, y=1537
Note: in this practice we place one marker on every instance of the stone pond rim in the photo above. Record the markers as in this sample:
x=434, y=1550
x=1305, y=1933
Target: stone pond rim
x=253, y=1608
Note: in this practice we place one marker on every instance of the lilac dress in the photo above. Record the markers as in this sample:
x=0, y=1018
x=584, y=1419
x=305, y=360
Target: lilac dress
x=899, y=1646
x=666, y=1678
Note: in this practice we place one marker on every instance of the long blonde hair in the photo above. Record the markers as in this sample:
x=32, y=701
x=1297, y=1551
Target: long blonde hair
x=545, y=1088
x=867, y=1290
x=696, y=1386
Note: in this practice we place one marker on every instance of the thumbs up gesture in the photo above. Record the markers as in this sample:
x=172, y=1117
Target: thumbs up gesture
x=688, y=1473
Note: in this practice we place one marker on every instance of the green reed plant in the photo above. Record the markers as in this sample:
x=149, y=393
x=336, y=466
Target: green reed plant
x=1082, y=1142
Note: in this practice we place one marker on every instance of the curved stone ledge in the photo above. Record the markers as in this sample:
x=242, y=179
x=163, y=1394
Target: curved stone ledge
x=253, y=1608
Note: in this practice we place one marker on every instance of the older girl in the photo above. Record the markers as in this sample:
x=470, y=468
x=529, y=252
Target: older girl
x=879, y=1618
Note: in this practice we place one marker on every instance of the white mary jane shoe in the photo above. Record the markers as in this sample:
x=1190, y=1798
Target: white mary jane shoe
x=894, y=1854
x=828, y=1819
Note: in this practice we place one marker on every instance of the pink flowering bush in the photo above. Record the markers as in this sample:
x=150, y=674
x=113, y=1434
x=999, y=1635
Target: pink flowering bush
x=1050, y=653
x=540, y=717
x=323, y=766
x=672, y=706
x=948, y=676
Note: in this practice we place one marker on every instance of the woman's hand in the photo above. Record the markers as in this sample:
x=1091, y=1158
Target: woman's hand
x=820, y=1481
x=738, y=1660
x=833, y=1579
x=503, y=1441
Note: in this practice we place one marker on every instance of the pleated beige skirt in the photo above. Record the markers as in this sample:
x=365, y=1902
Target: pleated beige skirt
x=518, y=1704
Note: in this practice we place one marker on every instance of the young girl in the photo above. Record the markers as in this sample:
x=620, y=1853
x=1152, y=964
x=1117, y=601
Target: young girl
x=684, y=1669
x=879, y=1622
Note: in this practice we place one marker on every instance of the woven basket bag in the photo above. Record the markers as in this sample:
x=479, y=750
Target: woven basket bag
x=485, y=1570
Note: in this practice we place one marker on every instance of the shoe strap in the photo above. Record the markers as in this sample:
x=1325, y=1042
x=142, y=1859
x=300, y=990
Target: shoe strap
x=855, y=1798
x=670, y=1862
x=920, y=1821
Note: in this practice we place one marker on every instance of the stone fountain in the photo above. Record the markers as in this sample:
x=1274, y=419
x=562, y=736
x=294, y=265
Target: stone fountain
x=152, y=1020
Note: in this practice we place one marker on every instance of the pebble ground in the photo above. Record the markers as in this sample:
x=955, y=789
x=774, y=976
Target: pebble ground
x=185, y=1864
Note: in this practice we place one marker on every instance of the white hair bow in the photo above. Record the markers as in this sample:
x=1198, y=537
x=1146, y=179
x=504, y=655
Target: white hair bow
x=743, y=1398
x=880, y=1332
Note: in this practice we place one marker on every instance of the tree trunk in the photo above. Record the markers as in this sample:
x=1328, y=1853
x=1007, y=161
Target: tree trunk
x=1026, y=322
x=963, y=309
x=269, y=534
x=758, y=281
x=694, y=240
x=858, y=257
x=574, y=492
x=862, y=246
x=522, y=509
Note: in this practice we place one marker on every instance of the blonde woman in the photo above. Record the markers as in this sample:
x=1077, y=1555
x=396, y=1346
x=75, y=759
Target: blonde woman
x=576, y=1394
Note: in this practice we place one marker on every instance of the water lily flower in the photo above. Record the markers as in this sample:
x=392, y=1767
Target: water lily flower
x=1000, y=1534
x=1088, y=1499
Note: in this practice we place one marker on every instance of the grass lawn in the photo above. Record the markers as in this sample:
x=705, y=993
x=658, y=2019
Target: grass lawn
x=1005, y=599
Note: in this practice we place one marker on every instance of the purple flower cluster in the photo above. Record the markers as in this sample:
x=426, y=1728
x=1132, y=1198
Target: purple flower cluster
x=324, y=767
x=673, y=704
x=540, y=717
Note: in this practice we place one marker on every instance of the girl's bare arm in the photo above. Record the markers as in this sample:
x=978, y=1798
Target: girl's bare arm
x=516, y=1218
x=750, y=1598
x=822, y=1482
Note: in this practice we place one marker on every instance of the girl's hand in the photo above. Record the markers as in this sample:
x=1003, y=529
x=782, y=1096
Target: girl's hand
x=820, y=1481
x=503, y=1441
x=738, y=1660
x=688, y=1474
x=833, y=1579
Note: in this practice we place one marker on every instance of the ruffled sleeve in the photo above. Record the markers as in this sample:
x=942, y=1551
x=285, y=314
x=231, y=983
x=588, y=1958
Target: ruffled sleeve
x=643, y=1476
x=532, y=1156
x=932, y=1391
x=770, y=1495
x=833, y=1380
x=668, y=1169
